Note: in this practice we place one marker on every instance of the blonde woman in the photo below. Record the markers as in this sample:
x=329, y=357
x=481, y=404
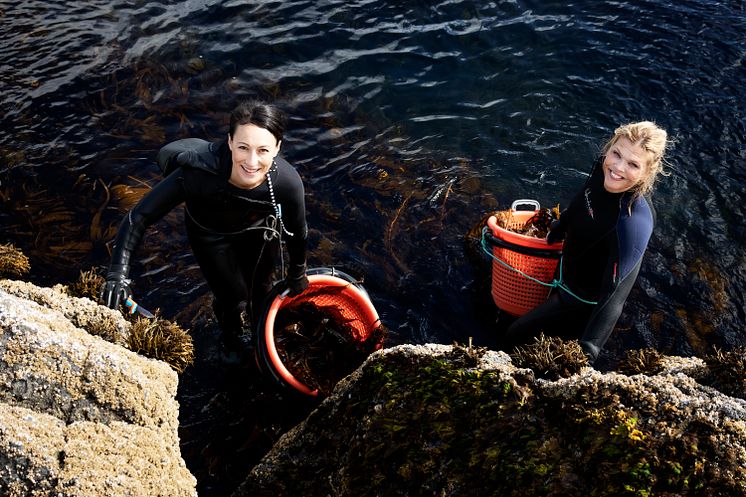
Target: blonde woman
x=606, y=227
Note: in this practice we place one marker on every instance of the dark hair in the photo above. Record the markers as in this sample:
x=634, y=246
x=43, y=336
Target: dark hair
x=259, y=114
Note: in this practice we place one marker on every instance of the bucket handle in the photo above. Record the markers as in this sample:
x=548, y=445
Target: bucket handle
x=525, y=201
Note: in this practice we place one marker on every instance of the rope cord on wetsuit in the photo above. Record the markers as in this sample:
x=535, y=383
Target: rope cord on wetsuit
x=278, y=210
x=271, y=230
x=557, y=283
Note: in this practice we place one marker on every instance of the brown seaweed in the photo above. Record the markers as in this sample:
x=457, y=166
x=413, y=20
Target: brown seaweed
x=536, y=226
x=319, y=346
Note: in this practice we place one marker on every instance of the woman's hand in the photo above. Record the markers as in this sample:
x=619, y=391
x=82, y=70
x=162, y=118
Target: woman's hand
x=116, y=289
x=296, y=285
x=555, y=233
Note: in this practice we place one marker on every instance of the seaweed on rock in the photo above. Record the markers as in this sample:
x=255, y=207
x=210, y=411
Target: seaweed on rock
x=727, y=371
x=551, y=357
x=163, y=340
x=641, y=361
x=13, y=263
x=87, y=285
x=417, y=425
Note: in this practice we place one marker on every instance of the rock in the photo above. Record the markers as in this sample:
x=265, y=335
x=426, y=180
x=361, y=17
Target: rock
x=80, y=312
x=79, y=415
x=413, y=420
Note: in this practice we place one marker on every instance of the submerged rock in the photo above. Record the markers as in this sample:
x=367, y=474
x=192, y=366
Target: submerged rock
x=80, y=415
x=416, y=420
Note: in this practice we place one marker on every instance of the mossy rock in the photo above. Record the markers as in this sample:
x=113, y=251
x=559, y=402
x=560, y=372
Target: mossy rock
x=425, y=425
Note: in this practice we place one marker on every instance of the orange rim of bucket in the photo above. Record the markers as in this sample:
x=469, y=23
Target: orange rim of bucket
x=520, y=217
x=369, y=322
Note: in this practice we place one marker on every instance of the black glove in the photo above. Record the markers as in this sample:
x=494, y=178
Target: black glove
x=296, y=285
x=188, y=158
x=555, y=233
x=116, y=289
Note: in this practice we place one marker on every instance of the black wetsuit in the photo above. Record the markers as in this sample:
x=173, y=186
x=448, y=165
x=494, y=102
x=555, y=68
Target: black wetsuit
x=604, y=244
x=229, y=228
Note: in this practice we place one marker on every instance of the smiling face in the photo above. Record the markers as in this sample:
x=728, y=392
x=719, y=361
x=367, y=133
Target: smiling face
x=625, y=165
x=252, y=149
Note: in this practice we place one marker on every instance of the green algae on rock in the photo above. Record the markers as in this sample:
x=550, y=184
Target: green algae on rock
x=413, y=422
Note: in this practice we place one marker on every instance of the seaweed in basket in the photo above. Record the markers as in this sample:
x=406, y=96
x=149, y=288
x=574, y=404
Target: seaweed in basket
x=318, y=345
x=536, y=226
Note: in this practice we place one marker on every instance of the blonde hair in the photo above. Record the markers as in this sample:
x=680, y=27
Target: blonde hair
x=649, y=137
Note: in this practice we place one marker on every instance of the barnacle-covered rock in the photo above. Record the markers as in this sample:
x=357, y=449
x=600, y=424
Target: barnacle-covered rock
x=80, y=415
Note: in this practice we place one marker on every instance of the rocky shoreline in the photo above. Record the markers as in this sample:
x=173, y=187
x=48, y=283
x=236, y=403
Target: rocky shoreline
x=80, y=415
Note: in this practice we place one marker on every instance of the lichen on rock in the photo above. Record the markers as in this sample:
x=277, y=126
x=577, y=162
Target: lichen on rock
x=411, y=421
x=13, y=263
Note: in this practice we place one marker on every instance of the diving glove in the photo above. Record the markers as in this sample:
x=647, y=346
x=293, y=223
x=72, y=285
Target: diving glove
x=297, y=281
x=556, y=233
x=116, y=289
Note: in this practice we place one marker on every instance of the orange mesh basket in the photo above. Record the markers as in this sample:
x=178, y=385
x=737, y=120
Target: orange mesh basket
x=352, y=302
x=512, y=291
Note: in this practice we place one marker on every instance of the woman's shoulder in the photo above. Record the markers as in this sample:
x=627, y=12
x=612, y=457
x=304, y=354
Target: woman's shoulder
x=637, y=221
x=286, y=171
x=642, y=208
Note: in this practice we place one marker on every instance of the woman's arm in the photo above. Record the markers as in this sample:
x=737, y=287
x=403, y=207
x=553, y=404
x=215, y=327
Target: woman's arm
x=291, y=196
x=620, y=274
x=153, y=206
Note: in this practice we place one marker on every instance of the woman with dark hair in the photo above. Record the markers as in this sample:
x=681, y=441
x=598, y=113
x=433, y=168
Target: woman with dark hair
x=241, y=199
x=607, y=227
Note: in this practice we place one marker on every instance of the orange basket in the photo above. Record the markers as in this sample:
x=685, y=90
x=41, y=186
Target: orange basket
x=512, y=291
x=326, y=287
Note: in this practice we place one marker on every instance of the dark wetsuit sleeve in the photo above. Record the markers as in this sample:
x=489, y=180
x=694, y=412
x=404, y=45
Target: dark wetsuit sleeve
x=154, y=205
x=619, y=276
x=291, y=196
x=578, y=201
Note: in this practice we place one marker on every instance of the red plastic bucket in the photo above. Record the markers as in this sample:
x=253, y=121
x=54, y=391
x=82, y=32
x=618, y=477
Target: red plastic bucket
x=327, y=287
x=512, y=291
